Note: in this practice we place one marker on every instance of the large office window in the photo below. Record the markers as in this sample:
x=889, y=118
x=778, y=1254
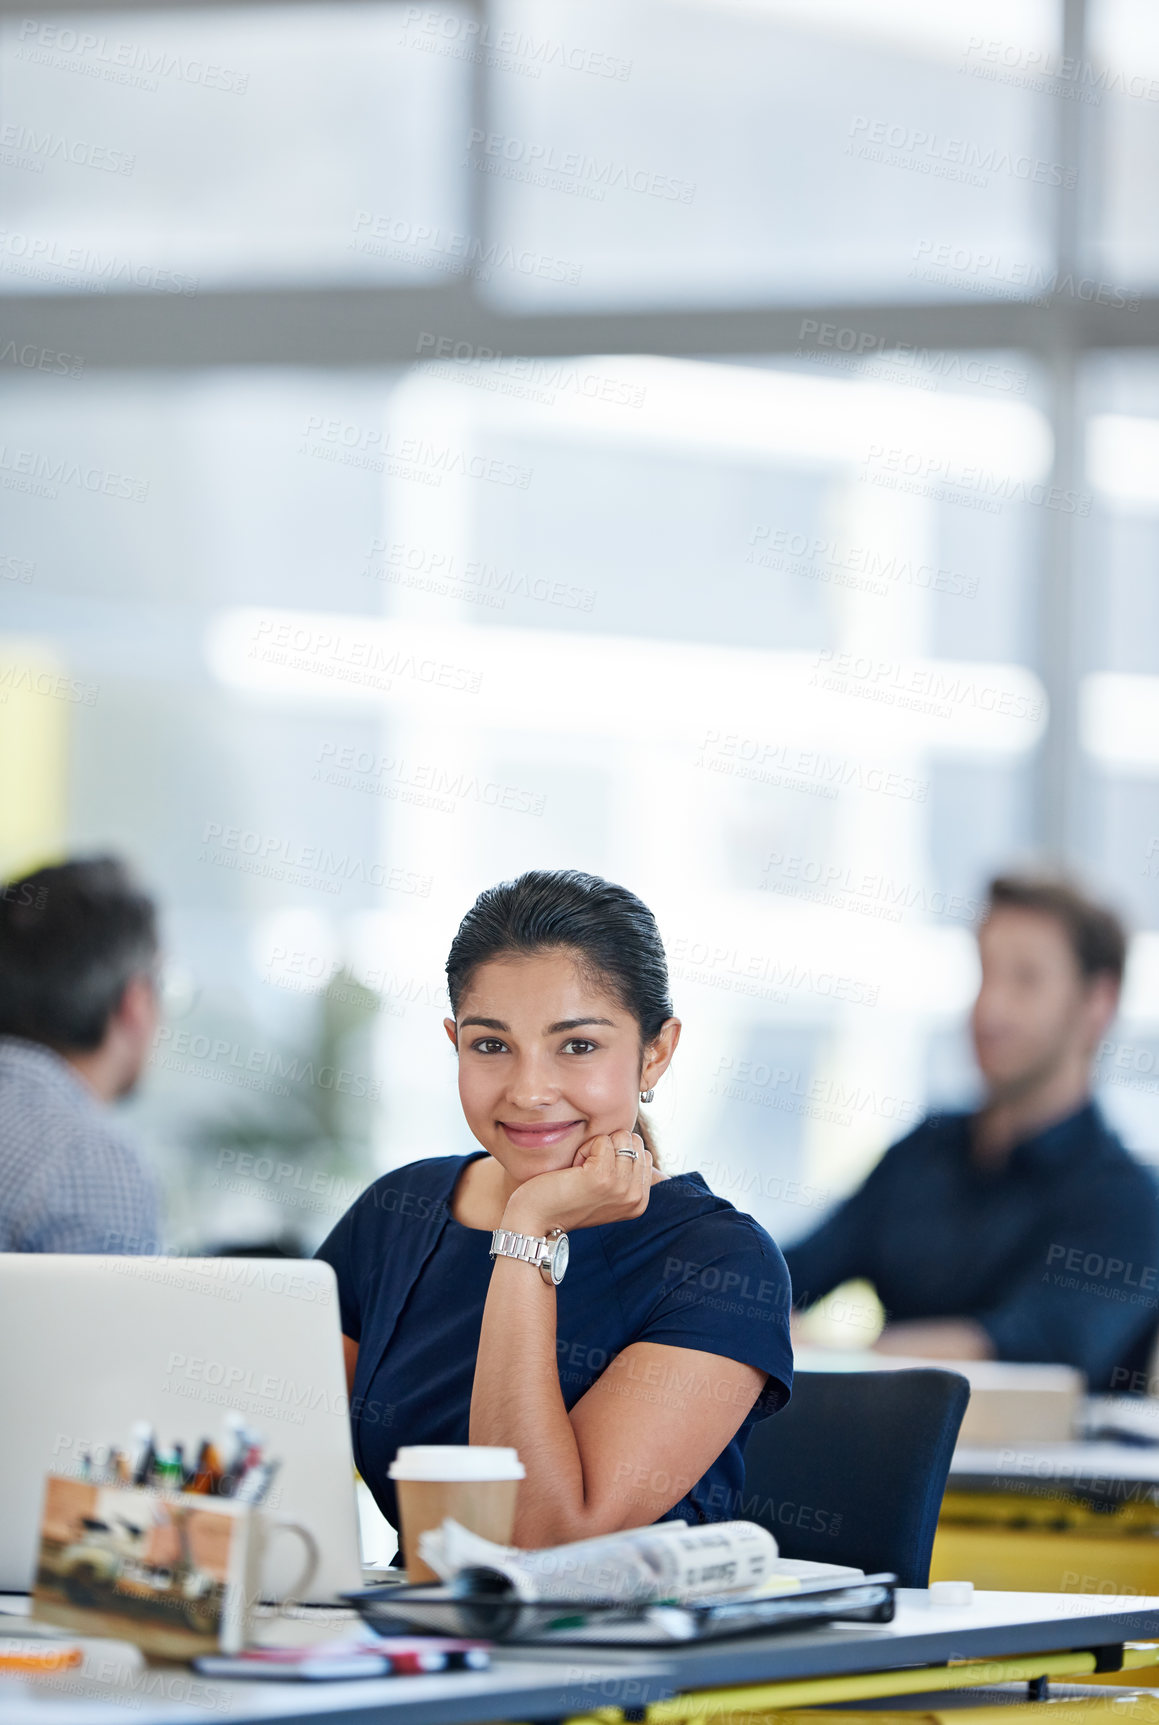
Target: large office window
x=526, y=451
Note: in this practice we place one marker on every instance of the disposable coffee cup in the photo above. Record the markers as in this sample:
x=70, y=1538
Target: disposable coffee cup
x=475, y=1484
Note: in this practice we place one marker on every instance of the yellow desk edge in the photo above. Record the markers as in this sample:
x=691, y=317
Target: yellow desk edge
x=755, y=1699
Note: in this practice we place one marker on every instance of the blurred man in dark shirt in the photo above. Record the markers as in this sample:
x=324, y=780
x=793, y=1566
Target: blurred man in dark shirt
x=1024, y=1231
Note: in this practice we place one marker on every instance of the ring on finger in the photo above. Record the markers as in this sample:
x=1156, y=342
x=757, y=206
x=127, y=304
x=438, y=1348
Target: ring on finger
x=634, y=1154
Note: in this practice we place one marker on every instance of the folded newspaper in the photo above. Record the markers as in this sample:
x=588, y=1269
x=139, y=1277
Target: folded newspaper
x=669, y=1562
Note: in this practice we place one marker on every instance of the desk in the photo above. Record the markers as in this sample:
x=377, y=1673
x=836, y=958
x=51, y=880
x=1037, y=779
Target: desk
x=1000, y=1637
x=993, y=1626
x=1064, y=1518
x=514, y=1688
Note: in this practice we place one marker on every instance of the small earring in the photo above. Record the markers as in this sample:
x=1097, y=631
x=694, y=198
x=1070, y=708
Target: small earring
x=647, y=1095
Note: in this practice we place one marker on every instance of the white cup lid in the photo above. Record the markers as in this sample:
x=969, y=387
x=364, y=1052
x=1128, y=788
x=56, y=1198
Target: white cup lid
x=453, y=1462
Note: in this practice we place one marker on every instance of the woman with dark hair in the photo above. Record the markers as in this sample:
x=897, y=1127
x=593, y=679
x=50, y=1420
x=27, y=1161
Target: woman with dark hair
x=556, y=1291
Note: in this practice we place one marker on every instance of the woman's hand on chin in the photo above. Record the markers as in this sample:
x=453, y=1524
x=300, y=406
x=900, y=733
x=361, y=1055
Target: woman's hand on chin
x=599, y=1187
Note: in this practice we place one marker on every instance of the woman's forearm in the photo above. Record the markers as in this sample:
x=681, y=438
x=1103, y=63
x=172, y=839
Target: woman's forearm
x=517, y=1401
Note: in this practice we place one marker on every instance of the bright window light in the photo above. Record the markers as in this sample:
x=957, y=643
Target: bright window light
x=625, y=686
x=746, y=411
x=1141, y=983
x=914, y=27
x=1119, y=719
x=1123, y=457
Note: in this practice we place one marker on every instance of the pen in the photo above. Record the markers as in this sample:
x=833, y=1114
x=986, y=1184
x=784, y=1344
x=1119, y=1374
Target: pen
x=32, y=1658
x=144, y=1455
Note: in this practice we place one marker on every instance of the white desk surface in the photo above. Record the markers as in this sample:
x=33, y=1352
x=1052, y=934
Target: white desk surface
x=513, y=1688
x=552, y=1683
x=1095, y=1465
x=994, y=1625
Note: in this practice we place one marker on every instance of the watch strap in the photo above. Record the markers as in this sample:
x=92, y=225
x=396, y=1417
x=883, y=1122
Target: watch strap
x=531, y=1248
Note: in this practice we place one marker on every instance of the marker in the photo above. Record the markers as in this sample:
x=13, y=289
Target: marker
x=204, y=1470
x=33, y=1658
x=255, y=1483
x=143, y=1453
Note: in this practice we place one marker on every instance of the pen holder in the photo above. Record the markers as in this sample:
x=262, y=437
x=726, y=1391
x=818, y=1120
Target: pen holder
x=177, y=1574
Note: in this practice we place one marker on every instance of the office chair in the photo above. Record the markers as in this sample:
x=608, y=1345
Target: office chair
x=854, y=1469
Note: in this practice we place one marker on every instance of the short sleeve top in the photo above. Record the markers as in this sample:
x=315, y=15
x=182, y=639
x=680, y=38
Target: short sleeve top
x=692, y=1272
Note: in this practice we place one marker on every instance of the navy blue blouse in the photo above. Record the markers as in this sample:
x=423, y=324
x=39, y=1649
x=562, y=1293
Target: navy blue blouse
x=692, y=1272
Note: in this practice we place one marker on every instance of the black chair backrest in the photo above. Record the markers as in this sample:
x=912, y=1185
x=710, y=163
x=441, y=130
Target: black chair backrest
x=853, y=1470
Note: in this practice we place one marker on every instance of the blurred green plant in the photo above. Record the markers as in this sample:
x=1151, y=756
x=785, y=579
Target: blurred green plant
x=318, y=1115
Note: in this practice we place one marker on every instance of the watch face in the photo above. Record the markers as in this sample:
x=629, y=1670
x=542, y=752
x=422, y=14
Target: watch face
x=559, y=1259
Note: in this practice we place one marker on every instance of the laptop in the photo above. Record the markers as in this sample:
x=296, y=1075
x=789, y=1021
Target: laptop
x=89, y=1346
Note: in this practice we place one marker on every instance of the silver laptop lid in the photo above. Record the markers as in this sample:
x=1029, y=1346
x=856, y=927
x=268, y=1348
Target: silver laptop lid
x=90, y=1345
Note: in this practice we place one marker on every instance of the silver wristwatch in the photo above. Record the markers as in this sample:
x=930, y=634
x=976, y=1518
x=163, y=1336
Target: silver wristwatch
x=549, y=1253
